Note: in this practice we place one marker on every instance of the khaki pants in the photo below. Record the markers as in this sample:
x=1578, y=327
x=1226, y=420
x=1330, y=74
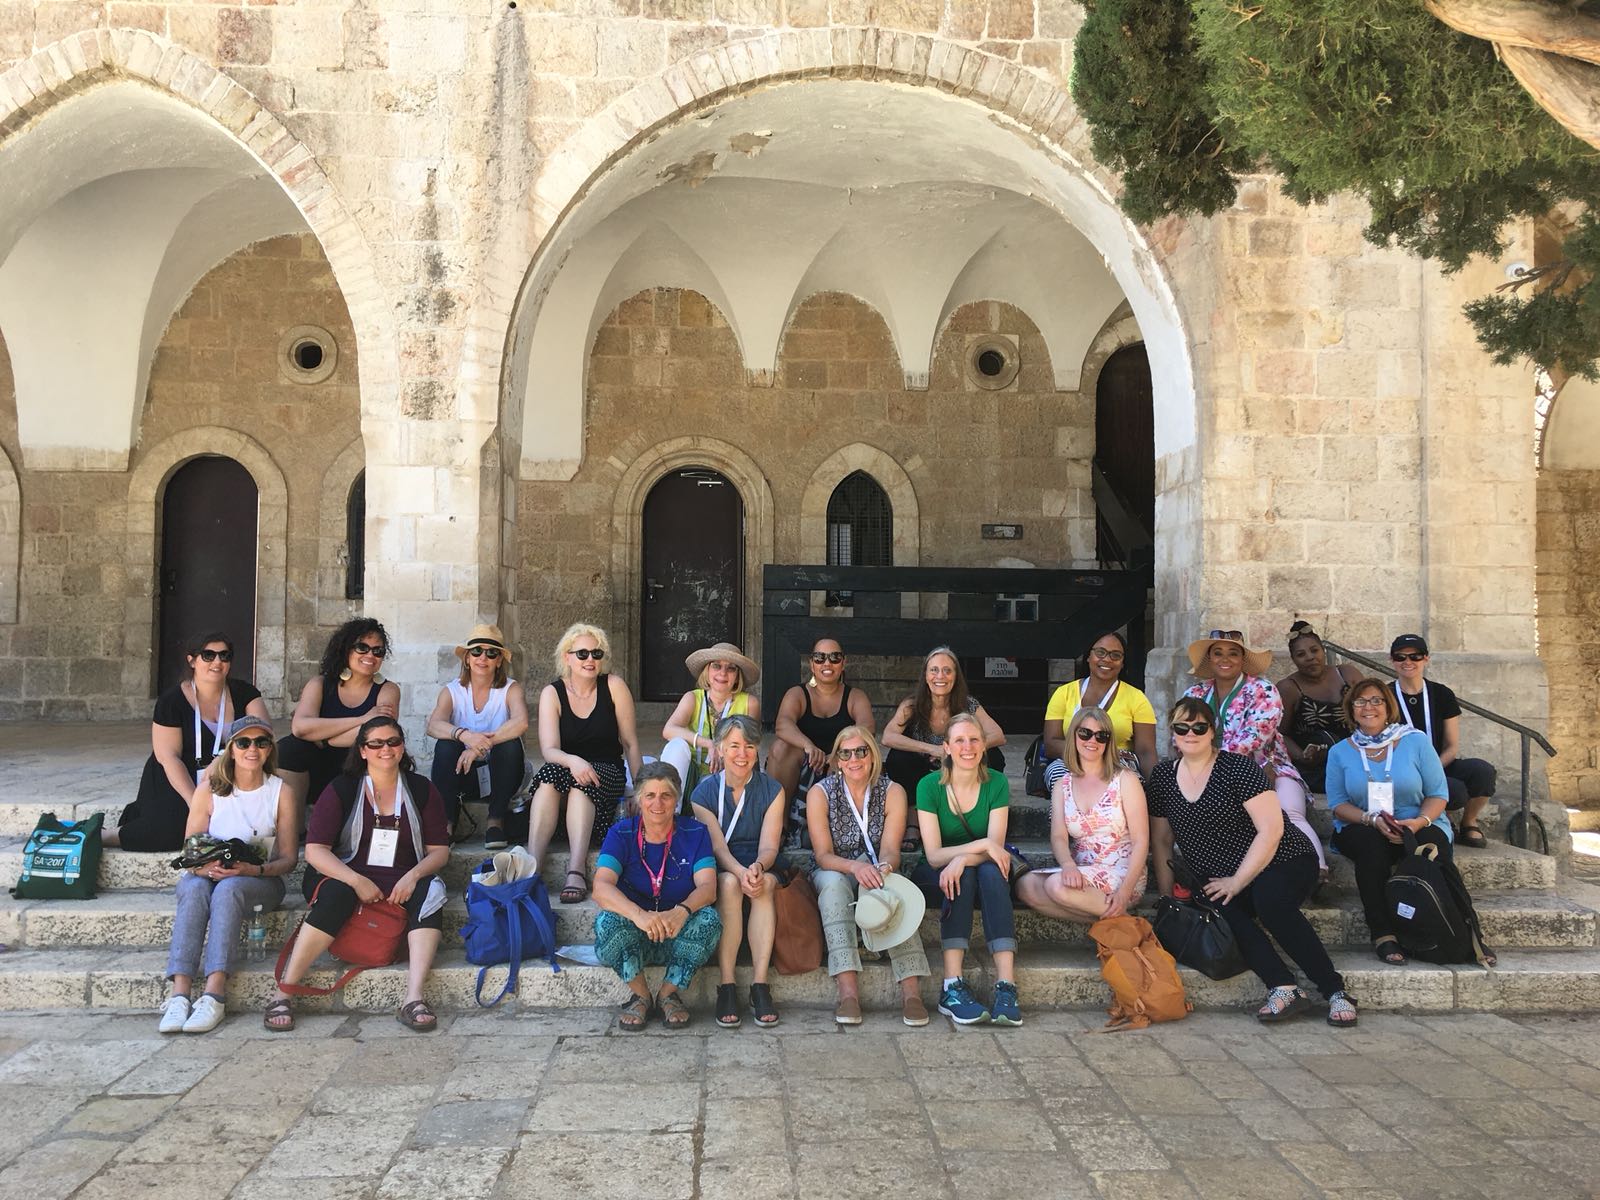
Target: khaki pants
x=836, y=894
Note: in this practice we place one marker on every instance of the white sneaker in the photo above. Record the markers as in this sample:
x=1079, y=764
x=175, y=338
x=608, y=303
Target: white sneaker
x=206, y=1016
x=174, y=1014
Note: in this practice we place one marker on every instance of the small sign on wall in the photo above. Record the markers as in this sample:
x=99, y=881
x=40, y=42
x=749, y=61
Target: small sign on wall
x=1002, y=533
x=1000, y=668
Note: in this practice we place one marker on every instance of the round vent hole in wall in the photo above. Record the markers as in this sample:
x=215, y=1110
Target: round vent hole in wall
x=308, y=354
x=992, y=362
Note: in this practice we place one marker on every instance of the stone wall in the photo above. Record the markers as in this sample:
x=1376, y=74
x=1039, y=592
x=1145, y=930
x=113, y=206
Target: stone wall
x=1569, y=613
x=665, y=365
x=84, y=594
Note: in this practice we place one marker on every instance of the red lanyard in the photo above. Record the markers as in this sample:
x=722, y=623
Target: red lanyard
x=666, y=851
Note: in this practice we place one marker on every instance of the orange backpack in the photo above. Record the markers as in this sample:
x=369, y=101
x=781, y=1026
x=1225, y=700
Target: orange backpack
x=1143, y=976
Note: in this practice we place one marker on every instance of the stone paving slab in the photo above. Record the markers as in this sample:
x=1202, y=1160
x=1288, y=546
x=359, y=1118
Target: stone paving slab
x=351, y=1107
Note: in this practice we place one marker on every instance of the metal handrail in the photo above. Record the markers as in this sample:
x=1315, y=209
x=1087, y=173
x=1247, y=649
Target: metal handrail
x=1520, y=824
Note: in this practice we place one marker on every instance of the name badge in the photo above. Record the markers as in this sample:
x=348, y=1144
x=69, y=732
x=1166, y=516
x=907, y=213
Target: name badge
x=1380, y=796
x=483, y=782
x=199, y=777
x=380, y=853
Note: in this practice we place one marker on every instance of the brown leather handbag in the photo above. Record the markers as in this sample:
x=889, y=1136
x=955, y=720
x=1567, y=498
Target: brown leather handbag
x=797, y=945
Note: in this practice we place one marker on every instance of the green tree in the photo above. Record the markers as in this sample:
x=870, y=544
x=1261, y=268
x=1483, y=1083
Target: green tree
x=1378, y=98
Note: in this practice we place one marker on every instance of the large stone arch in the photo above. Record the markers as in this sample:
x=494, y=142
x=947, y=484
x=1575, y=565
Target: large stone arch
x=333, y=550
x=10, y=539
x=73, y=66
x=630, y=486
x=889, y=475
x=145, y=485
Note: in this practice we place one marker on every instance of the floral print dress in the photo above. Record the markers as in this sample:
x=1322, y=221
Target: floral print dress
x=1250, y=726
x=1102, y=848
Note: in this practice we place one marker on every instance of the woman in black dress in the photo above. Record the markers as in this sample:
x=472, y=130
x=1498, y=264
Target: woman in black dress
x=186, y=733
x=1222, y=811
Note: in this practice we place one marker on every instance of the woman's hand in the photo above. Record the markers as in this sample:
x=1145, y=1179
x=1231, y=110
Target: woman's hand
x=1117, y=902
x=216, y=871
x=582, y=773
x=403, y=887
x=818, y=758
x=750, y=880
x=714, y=757
x=950, y=878
x=366, y=891
x=385, y=708
x=1070, y=876
x=867, y=875
x=1000, y=856
x=673, y=921
x=1223, y=890
x=652, y=924
x=468, y=762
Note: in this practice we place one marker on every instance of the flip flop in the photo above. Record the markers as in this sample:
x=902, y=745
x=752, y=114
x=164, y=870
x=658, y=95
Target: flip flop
x=575, y=895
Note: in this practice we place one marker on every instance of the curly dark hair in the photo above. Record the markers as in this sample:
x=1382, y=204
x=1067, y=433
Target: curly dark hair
x=343, y=641
x=355, y=766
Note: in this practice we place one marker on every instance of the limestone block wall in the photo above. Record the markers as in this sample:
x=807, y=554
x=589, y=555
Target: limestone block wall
x=1569, y=610
x=665, y=366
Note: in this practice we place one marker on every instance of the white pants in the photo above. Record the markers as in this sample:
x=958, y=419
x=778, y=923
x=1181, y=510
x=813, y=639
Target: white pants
x=1292, y=799
x=680, y=755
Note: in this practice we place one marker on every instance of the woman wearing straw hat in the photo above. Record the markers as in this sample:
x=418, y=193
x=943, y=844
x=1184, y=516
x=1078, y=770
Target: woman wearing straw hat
x=723, y=674
x=479, y=720
x=1248, y=710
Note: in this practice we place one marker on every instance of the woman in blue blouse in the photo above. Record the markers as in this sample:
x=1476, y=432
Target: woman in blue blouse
x=1386, y=766
x=656, y=884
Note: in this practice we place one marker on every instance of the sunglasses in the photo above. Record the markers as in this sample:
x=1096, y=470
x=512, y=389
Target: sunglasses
x=392, y=743
x=214, y=655
x=1227, y=634
x=488, y=652
x=586, y=654
x=1106, y=655
x=260, y=743
x=1368, y=702
x=1407, y=657
x=832, y=656
x=364, y=649
x=1184, y=729
x=1094, y=735
x=850, y=752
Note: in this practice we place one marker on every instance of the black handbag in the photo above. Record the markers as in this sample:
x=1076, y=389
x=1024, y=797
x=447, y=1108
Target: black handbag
x=1033, y=764
x=1195, y=932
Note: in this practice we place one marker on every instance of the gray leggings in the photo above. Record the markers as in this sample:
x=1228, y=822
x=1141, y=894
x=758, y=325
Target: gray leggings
x=210, y=915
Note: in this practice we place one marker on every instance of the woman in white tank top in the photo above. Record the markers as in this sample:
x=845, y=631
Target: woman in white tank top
x=240, y=797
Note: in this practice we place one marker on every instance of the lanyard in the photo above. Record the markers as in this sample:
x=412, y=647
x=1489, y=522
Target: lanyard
x=1105, y=701
x=1388, y=764
x=656, y=877
x=1222, y=712
x=861, y=819
x=722, y=790
x=704, y=715
x=370, y=791
x=1427, y=709
x=216, y=744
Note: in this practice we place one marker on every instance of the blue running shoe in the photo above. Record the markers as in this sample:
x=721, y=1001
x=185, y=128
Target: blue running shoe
x=958, y=1003
x=1004, y=1010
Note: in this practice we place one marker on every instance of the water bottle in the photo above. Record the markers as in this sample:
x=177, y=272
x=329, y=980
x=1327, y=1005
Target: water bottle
x=255, y=936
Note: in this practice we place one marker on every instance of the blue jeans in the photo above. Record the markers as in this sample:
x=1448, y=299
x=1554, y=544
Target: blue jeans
x=984, y=886
x=210, y=915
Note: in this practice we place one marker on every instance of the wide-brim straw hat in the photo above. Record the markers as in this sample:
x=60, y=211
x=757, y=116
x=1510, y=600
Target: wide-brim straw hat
x=889, y=915
x=485, y=635
x=1256, y=662
x=724, y=651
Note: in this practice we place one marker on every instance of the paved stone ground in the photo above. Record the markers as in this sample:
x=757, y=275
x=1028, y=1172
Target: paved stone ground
x=555, y=1105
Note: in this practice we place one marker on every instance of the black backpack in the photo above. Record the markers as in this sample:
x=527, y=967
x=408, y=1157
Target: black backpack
x=1431, y=908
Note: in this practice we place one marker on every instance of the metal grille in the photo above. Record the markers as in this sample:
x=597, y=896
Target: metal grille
x=860, y=528
x=355, y=537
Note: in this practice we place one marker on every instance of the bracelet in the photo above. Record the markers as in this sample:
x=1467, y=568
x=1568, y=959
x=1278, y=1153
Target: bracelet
x=685, y=907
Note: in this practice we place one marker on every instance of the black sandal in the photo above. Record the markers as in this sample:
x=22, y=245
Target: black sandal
x=1389, y=950
x=1472, y=837
x=728, y=1005
x=761, y=1005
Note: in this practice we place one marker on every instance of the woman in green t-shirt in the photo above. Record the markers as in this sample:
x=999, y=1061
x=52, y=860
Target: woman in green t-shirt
x=962, y=813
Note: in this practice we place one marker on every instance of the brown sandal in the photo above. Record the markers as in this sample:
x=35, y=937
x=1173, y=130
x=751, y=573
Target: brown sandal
x=281, y=1011
x=575, y=895
x=417, y=1016
x=674, y=1013
x=634, y=1015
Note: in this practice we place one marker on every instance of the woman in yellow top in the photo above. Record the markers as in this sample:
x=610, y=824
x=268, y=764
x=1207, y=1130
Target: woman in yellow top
x=1133, y=721
x=722, y=674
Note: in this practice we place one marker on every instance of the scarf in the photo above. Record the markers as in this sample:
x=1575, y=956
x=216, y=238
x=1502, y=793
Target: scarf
x=1388, y=736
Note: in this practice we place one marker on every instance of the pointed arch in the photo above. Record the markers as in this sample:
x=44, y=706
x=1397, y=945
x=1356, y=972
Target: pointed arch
x=10, y=539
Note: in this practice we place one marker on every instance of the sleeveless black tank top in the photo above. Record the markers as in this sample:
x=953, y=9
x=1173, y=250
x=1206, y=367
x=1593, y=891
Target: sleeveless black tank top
x=593, y=737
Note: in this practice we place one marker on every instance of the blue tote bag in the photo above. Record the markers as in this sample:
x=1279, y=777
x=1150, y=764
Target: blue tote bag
x=507, y=923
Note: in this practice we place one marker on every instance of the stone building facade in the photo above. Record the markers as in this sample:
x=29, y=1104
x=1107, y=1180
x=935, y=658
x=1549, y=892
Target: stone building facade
x=562, y=249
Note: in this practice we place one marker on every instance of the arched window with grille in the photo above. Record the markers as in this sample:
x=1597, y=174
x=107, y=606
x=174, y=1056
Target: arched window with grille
x=860, y=528
x=355, y=539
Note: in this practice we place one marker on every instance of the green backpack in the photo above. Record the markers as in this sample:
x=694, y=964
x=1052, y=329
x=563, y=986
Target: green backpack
x=61, y=860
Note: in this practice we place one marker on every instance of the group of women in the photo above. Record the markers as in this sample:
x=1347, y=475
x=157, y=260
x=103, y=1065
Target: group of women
x=691, y=866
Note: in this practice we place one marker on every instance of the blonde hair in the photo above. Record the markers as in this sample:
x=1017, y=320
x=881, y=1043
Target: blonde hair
x=220, y=773
x=962, y=718
x=874, y=752
x=1108, y=760
x=703, y=680
x=573, y=633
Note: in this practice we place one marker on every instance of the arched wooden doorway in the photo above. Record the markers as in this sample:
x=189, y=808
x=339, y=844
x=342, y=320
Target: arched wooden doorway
x=207, y=578
x=692, y=577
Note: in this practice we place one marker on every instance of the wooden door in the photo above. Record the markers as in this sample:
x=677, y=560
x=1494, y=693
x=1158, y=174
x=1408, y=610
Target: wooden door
x=207, y=572
x=693, y=578
x=1124, y=432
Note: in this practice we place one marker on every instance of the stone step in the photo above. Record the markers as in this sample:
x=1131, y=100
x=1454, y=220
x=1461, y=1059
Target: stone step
x=1056, y=978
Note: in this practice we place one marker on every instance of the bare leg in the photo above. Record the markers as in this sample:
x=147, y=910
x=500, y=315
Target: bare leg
x=422, y=945
x=217, y=983
x=763, y=928
x=580, y=823
x=310, y=943
x=730, y=907
x=543, y=812
x=849, y=985
x=1005, y=965
x=182, y=985
x=1475, y=807
x=110, y=837
x=1050, y=898
x=953, y=960
x=783, y=764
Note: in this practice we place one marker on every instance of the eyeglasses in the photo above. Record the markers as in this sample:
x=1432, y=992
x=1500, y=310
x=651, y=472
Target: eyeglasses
x=363, y=648
x=260, y=743
x=585, y=654
x=832, y=656
x=1106, y=655
x=488, y=652
x=392, y=743
x=850, y=752
x=1184, y=729
x=1407, y=657
x=1368, y=702
x=1094, y=735
x=1233, y=635
x=214, y=655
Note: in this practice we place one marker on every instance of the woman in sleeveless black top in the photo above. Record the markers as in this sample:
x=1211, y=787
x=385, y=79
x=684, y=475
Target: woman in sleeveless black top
x=1313, y=716
x=586, y=731
x=804, y=737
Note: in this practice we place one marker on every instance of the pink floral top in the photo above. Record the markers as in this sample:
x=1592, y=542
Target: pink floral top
x=1250, y=726
x=1102, y=848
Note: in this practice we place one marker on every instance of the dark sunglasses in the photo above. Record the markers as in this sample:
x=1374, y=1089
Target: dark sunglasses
x=1184, y=729
x=1094, y=735
x=214, y=655
x=260, y=743
x=832, y=656
x=375, y=651
x=586, y=654
x=1408, y=657
x=1227, y=634
x=391, y=742
x=850, y=752
x=488, y=652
